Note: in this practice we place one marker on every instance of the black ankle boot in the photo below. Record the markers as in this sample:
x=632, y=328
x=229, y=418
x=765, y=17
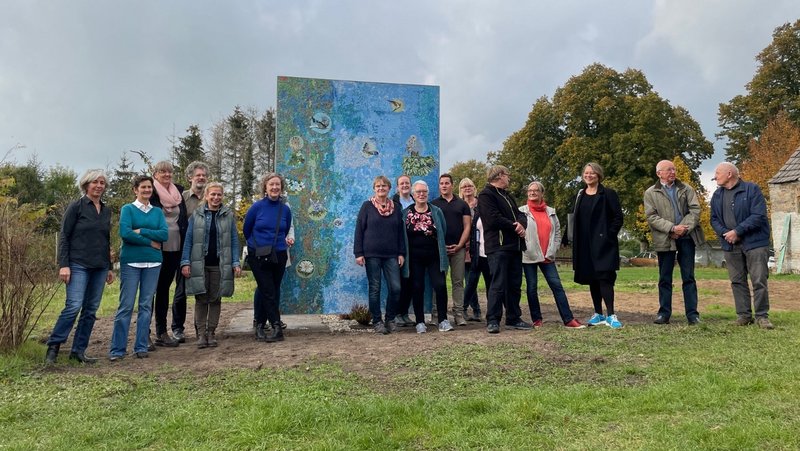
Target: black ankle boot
x=52, y=354
x=277, y=334
x=260, y=334
x=82, y=357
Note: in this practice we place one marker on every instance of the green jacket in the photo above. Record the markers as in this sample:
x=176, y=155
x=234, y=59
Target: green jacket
x=661, y=215
x=196, y=246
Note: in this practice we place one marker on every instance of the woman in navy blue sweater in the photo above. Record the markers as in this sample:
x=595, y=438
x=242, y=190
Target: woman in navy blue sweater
x=379, y=246
x=266, y=224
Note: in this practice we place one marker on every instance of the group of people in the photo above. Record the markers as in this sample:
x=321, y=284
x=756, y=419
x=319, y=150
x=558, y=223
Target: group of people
x=409, y=241
x=190, y=237
x=168, y=235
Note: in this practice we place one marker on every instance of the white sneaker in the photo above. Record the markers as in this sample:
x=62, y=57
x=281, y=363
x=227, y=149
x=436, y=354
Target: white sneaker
x=421, y=328
x=428, y=319
x=445, y=326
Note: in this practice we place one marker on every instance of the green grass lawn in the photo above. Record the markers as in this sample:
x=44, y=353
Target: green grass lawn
x=642, y=387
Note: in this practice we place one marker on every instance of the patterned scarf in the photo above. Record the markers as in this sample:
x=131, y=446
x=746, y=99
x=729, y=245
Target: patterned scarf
x=384, y=210
x=169, y=197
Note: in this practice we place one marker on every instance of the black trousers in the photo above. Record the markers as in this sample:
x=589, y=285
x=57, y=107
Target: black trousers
x=268, y=278
x=506, y=289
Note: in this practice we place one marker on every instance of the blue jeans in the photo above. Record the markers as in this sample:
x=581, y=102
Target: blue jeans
x=84, y=293
x=389, y=269
x=550, y=273
x=666, y=265
x=131, y=280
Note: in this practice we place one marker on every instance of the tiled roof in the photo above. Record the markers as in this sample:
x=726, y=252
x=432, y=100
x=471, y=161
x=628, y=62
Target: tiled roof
x=790, y=172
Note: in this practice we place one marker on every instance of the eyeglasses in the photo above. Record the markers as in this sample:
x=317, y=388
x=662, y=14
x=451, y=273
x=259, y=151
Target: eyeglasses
x=421, y=192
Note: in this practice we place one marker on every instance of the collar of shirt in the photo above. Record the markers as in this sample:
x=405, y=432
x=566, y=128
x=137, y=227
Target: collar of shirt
x=143, y=207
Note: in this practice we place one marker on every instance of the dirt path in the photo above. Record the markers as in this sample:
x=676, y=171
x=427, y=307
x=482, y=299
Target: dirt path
x=363, y=351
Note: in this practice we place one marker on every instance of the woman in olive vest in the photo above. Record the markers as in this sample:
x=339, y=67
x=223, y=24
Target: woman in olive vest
x=210, y=261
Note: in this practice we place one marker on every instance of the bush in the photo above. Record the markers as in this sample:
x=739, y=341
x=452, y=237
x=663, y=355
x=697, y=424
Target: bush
x=28, y=279
x=360, y=313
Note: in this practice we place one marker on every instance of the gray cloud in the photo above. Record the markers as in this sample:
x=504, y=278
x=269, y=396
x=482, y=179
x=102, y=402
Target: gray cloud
x=83, y=81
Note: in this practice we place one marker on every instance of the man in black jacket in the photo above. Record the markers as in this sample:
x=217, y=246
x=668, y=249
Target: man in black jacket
x=504, y=240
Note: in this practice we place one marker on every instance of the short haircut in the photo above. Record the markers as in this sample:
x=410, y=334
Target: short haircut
x=195, y=165
x=90, y=176
x=495, y=172
x=464, y=182
x=401, y=176
x=537, y=183
x=382, y=178
x=163, y=166
x=211, y=185
x=446, y=175
x=266, y=177
x=597, y=170
x=731, y=167
x=420, y=182
x=138, y=179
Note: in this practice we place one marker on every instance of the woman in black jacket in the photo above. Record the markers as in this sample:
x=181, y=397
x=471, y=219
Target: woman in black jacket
x=595, y=247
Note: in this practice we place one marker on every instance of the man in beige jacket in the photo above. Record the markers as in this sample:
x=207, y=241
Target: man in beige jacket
x=673, y=214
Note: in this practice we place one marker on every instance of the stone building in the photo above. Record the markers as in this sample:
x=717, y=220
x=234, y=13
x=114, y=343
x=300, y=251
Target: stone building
x=784, y=195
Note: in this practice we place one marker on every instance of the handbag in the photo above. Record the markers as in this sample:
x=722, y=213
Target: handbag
x=268, y=253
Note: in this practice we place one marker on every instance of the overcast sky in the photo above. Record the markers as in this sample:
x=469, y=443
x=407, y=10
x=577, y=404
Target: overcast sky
x=81, y=82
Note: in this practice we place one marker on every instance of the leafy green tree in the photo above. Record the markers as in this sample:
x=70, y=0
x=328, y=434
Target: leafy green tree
x=120, y=184
x=60, y=185
x=774, y=88
x=612, y=118
x=263, y=140
x=28, y=187
x=474, y=169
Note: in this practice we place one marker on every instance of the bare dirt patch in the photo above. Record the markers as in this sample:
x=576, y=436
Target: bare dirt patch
x=364, y=352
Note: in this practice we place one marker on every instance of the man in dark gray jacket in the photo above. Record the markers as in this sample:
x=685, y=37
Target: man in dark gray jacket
x=504, y=240
x=673, y=214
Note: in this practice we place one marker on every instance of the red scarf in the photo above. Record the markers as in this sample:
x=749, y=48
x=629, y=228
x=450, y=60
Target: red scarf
x=536, y=207
x=383, y=210
x=543, y=225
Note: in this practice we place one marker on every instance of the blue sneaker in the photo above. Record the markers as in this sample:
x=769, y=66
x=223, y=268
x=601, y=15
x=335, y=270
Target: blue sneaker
x=596, y=320
x=613, y=322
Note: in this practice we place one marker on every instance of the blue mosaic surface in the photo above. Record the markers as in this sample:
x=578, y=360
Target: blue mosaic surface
x=333, y=138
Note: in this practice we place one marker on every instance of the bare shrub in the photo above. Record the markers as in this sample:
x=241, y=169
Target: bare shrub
x=27, y=271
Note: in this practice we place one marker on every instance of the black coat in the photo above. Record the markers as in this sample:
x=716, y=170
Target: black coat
x=499, y=212
x=605, y=222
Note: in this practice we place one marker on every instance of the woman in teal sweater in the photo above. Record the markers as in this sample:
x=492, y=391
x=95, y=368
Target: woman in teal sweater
x=142, y=228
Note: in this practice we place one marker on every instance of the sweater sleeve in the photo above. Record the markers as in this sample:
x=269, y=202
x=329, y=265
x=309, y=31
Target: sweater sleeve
x=361, y=224
x=126, y=228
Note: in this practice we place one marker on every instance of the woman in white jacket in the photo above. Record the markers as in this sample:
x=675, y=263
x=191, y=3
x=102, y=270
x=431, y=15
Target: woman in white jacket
x=542, y=239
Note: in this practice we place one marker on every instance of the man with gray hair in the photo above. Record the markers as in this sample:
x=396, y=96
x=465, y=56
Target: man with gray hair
x=673, y=214
x=197, y=174
x=739, y=216
x=504, y=234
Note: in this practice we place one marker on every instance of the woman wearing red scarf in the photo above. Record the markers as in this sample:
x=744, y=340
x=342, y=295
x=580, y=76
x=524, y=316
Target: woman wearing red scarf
x=167, y=196
x=542, y=239
x=379, y=245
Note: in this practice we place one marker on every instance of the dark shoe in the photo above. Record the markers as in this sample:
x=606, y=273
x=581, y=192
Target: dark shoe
x=261, y=334
x=380, y=328
x=115, y=358
x=743, y=321
x=391, y=326
x=661, y=319
x=520, y=325
x=277, y=334
x=81, y=357
x=694, y=321
x=476, y=317
x=52, y=354
x=493, y=328
x=212, y=340
x=764, y=323
x=404, y=321
x=150, y=346
x=166, y=341
x=283, y=325
x=179, y=335
x=141, y=355
x=202, y=342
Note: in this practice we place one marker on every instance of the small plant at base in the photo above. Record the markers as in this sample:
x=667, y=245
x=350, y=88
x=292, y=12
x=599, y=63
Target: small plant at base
x=359, y=313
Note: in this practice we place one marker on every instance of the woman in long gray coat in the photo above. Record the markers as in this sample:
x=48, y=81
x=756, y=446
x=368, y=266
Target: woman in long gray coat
x=210, y=261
